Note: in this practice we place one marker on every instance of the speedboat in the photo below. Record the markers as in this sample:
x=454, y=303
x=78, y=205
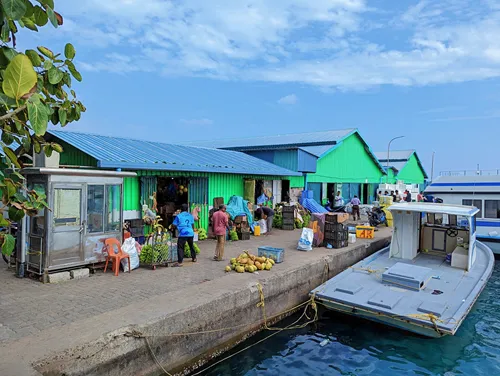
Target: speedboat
x=426, y=281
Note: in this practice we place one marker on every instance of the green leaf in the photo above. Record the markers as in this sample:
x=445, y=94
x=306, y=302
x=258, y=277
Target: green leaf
x=48, y=150
x=11, y=155
x=15, y=214
x=29, y=23
x=5, y=32
x=52, y=17
x=45, y=51
x=38, y=117
x=55, y=75
x=8, y=244
x=73, y=93
x=73, y=70
x=9, y=53
x=62, y=116
x=6, y=101
x=40, y=15
x=47, y=64
x=34, y=58
x=14, y=9
x=49, y=3
x=69, y=51
x=7, y=139
x=3, y=221
x=67, y=79
x=37, y=147
x=19, y=77
x=27, y=144
x=56, y=147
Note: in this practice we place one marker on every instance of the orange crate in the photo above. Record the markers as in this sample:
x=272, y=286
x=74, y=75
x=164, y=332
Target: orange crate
x=365, y=232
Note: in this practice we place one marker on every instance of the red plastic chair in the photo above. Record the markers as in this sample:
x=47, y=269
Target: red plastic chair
x=115, y=257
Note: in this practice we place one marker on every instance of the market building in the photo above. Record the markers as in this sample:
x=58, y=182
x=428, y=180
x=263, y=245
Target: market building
x=402, y=166
x=171, y=175
x=344, y=163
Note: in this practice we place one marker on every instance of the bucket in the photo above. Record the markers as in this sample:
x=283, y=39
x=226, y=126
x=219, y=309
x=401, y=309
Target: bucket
x=256, y=230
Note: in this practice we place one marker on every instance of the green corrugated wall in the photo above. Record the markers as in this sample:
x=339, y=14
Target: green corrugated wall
x=411, y=172
x=349, y=162
x=72, y=156
x=131, y=194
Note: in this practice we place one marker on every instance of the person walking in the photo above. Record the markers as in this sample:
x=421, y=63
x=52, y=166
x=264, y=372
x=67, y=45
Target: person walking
x=269, y=214
x=184, y=222
x=355, y=207
x=220, y=224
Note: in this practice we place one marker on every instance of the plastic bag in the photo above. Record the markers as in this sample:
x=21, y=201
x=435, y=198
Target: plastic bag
x=130, y=248
x=263, y=226
x=306, y=240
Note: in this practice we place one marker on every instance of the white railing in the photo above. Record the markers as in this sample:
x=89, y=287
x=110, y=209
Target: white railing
x=470, y=173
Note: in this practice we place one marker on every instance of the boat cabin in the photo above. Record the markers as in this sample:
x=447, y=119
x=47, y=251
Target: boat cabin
x=438, y=229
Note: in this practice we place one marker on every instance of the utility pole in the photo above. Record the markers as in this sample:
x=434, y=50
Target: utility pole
x=432, y=166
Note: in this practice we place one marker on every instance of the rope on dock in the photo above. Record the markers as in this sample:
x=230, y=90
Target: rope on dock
x=311, y=303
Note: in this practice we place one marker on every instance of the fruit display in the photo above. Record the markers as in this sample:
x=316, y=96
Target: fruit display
x=202, y=234
x=246, y=262
x=233, y=235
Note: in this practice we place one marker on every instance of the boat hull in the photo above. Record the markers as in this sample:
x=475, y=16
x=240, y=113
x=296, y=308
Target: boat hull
x=381, y=318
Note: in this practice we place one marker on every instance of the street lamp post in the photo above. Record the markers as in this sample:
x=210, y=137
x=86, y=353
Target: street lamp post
x=388, y=153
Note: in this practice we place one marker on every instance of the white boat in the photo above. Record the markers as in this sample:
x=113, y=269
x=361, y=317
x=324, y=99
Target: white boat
x=474, y=188
x=426, y=281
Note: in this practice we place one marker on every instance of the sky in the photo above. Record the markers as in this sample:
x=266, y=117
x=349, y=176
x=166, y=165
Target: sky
x=175, y=71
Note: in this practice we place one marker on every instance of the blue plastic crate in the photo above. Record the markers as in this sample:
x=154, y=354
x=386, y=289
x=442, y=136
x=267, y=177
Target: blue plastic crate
x=276, y=254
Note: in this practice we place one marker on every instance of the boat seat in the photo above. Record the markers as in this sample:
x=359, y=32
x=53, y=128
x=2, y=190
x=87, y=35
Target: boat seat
x=385, y=299
x=460, y=258
x=349, y=288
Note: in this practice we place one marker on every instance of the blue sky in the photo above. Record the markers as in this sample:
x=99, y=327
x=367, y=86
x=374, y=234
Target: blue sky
x=178, y=70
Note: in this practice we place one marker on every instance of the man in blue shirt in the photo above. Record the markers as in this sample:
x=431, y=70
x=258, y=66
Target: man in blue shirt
x=184, y=222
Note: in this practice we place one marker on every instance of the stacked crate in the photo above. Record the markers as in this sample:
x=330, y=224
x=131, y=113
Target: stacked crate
x=136, y=228
x=288, y=213
x=336, y=234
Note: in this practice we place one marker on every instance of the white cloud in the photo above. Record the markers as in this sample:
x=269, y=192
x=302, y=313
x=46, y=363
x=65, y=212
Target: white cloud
x=202, y=121
x=289, y=99
x=323, y=43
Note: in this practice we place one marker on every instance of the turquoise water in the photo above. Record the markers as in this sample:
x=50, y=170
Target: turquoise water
x=359, y=347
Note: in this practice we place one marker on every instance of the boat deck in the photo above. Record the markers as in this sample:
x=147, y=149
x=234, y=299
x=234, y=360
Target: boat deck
x=447, y=296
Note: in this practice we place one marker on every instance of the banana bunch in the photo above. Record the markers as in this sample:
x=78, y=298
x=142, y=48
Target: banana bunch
x=246, y=262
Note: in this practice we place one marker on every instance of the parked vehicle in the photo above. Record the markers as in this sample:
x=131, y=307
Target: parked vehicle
x=377, y=217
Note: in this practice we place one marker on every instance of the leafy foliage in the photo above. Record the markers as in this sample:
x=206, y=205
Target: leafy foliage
x=34, y=90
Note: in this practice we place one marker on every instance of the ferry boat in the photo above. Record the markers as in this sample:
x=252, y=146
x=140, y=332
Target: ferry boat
x=426, y=281
x=479, y=188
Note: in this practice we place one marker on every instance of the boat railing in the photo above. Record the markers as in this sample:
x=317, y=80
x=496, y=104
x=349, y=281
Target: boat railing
x=471, y=173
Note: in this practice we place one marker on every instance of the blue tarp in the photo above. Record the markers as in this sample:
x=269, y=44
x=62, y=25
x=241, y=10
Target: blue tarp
x=311, y=205
x=237, y=206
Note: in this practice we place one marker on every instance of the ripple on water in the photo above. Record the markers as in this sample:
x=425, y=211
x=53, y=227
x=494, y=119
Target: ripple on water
x=359, y=347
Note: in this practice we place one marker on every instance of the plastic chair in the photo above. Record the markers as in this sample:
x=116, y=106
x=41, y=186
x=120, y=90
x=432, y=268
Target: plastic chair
x=115, y=257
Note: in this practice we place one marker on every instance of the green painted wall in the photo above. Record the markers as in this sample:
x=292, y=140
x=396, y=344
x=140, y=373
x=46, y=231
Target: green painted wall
x=131, y=193
x=390, y=178
x=411, y=172
x=296, y=181
x=71, y=156
x=348, y=162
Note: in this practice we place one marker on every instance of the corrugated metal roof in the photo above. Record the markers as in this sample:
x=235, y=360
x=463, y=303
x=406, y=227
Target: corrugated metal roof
x=394, y=155
x=297, y=139
x=398, y=159
x=115, y=152
x=317, y=150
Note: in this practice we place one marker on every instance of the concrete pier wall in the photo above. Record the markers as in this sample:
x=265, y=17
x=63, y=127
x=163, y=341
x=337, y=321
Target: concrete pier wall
x=220, y=303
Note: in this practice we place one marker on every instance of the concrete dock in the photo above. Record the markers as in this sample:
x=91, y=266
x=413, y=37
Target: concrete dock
x=102, y=325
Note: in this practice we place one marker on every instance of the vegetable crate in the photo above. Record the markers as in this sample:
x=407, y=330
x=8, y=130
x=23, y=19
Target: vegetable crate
x=288, y=227
x=365, y=232
x=276, y=254
x=158, y=250
x=288, y=209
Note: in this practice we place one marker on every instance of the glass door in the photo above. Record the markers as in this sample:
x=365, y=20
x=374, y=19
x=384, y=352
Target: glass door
x=67, y=225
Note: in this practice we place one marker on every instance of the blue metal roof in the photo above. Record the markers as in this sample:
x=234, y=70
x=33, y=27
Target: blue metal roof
x=278, y=141
x=116, y=152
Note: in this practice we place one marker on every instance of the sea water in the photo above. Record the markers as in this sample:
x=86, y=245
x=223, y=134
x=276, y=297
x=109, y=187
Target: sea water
x=341, y=345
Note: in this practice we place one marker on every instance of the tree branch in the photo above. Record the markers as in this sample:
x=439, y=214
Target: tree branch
x=12, y=113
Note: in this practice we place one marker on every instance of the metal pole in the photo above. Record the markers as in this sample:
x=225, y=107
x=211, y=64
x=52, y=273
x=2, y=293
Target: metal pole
x=388, y=153
x=432, y=166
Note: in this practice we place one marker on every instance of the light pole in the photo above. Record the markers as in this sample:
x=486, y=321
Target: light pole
x=388, y=151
